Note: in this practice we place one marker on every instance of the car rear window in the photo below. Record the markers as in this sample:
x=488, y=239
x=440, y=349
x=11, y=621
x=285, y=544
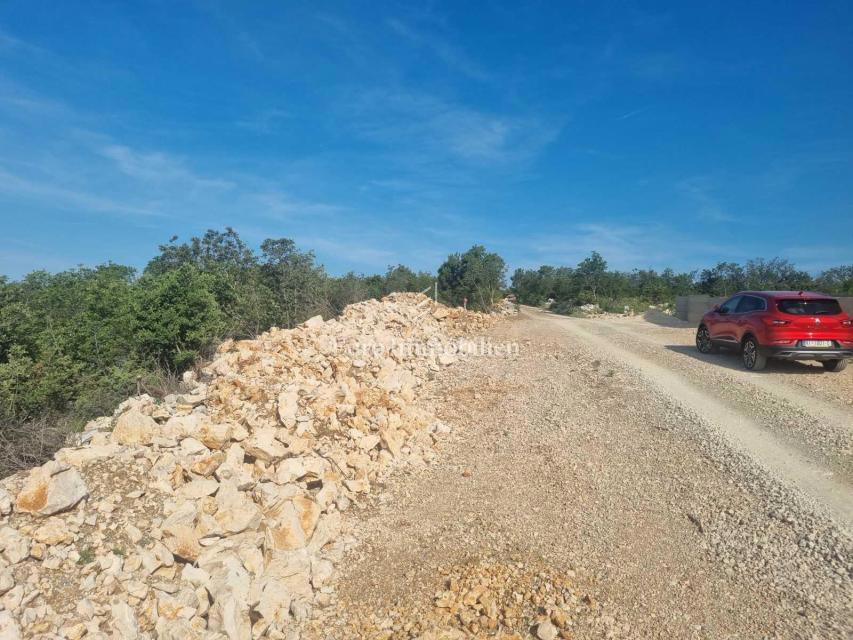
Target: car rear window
x=799, y=307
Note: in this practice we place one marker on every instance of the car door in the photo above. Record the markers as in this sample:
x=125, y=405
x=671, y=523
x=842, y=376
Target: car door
x=746, y=314
x=723, y=329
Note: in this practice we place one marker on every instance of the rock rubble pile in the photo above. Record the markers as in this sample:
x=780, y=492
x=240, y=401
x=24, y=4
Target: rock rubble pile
x=483, y=599
x=217, y=512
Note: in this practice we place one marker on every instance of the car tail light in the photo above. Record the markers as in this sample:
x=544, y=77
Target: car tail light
x=775, y=322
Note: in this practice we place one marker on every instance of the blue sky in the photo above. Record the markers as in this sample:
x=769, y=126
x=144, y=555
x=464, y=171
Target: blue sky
x=661, y=134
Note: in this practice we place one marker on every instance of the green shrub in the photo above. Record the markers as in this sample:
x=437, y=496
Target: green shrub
x=176, y=316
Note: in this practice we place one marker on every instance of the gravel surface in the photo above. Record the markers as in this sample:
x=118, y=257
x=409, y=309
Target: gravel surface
x=574, y=461
x=807, y=407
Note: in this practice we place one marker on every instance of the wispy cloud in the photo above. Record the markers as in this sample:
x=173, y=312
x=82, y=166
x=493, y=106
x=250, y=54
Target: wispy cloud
x=158, y=168
x=279, y=205
x=427, y=123
x=357, y=250
x=700, y=192
x=452, y=56
x=88, y=172
x=633, y=113
x=624, y=246
x=250, y=44
x=265, y=121
x=9, y=42
x=69, y=198
x=20, y=103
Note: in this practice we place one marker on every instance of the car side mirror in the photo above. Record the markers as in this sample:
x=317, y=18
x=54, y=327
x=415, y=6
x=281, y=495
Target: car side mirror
x=716, y=307
x=723, y=310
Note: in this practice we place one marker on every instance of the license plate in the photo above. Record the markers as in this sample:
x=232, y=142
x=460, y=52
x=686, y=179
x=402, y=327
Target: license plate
x=817, y=344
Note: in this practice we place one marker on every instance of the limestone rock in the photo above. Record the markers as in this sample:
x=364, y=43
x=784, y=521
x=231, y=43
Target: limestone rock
x=368, y=442
x=183, y=543
x=227, y=574
x=236, y=512
x=208, y=465
x=233, y=468
x=5, y=502
x=7, y=580
x=133, y=427
x=53, y=531
x=213, y=436
x=51, y=489
x=81, y=456
x=15, y=547
x=198, y=489
x=546, y=631
x=9, y=628
x=230, y=616
x=287, y=533
x=393, y=439
x=308, y=513
x=289, y=470
x=262, y=444
x=191, y=447
x=288, y=407
x=313, y=323
x=124, y=621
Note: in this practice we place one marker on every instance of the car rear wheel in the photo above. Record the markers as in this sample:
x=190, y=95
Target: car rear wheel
x=835, y=365
x=753, y=359
x=704, y=342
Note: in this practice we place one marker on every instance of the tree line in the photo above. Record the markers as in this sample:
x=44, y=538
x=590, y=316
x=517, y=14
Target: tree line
x=591, y=282
x=74, y=344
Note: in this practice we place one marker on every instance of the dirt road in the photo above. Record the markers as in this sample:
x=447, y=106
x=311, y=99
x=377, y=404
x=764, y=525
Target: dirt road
x=680, y=496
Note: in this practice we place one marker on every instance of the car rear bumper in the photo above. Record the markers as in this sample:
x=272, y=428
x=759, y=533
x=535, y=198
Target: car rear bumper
x=799, y=353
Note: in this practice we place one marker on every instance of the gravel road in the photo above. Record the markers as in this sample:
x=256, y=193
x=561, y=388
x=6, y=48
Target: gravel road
x=682, y=497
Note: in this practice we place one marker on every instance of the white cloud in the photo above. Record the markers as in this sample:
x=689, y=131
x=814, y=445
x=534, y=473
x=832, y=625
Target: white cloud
x=158, y=167
x=427, y=124
x=87, y=172
x=280, y=205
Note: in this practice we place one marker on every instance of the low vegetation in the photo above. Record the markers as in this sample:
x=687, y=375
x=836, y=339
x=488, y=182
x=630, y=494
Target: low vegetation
x=592, y=283
x=76, y=343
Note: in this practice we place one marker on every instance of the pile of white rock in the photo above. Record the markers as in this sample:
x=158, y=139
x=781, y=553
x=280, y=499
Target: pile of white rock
x=217, y=512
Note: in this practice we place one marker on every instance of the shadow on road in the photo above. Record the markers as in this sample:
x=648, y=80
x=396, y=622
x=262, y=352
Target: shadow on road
x=654, y=316
x=730, y=359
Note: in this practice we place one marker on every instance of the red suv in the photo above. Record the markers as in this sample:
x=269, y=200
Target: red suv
x=790, y=325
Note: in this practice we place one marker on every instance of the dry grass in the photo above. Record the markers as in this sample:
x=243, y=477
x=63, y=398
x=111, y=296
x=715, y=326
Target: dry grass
x=24, y=445
x=159, y=384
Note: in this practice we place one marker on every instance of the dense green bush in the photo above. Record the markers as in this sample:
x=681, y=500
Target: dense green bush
x=476, y=275
x=75, y=343
x=176, y=315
